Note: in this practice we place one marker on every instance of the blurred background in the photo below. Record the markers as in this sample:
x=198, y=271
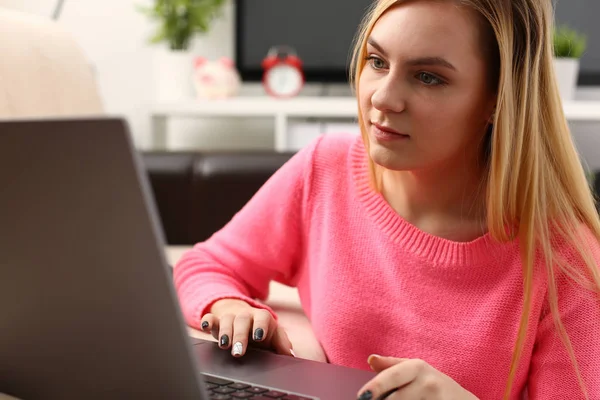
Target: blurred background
x=219, y=94
x=114, y=35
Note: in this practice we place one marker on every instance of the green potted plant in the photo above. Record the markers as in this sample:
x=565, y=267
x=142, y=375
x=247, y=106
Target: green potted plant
x=178, y=22
x=569, y=46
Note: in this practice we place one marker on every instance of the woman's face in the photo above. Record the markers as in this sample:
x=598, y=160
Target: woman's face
x=424, y=91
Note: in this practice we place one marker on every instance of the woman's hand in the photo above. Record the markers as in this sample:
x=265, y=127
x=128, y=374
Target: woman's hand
x=236, y=325
x=401, y=378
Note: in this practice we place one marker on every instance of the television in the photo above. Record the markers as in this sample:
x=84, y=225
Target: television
x=321, y=32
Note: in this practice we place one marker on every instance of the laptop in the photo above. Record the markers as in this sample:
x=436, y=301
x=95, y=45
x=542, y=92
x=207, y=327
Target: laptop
x=88, y=308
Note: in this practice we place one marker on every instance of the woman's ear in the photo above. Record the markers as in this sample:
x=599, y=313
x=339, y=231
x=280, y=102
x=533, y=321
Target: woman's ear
x=492, y=107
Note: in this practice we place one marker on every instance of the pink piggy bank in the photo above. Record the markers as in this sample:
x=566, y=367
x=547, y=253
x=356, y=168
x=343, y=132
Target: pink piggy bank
x=216, y=79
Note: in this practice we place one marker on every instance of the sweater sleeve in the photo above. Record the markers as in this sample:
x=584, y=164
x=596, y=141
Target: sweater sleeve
x=261, y=243
x=552, y=375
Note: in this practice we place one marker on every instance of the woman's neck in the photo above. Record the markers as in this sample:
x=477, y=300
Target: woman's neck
x=445, y=202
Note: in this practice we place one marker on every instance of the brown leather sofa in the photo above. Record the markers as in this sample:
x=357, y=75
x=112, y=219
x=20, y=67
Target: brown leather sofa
x=197, y=193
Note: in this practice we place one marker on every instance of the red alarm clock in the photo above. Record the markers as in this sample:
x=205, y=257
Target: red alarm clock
x=283, y=76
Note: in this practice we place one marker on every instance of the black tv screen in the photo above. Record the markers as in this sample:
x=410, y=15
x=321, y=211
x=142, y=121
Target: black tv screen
x=321, y=31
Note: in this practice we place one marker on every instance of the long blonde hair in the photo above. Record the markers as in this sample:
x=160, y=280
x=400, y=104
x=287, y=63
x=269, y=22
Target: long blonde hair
x=535, y=180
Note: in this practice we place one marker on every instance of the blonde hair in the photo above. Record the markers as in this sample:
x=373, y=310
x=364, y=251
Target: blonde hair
x=535, y=180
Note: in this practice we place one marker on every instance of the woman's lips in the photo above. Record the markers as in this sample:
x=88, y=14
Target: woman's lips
x=385, y=133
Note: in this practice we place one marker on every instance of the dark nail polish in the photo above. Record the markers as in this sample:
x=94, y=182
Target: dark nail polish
x=224, y=341
x=258, y=334
x=367, y=395
x=204, y=324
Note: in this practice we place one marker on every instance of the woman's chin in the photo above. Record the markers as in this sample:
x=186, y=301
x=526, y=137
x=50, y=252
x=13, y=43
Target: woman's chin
x=385, y=158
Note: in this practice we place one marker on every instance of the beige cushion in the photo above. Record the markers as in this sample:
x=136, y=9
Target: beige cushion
x=43, y=71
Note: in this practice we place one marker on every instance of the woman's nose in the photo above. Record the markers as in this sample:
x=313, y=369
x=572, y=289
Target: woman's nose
x=388, y=97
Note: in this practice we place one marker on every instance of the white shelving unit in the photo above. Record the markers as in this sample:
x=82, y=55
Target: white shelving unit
x=299, y=107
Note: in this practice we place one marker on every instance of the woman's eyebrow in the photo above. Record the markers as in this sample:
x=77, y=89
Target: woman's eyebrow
x=421, y=61
x=373, y=43
x=430, y=61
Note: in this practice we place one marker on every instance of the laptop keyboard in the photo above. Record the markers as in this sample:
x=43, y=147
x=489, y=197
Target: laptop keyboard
x=223, y=389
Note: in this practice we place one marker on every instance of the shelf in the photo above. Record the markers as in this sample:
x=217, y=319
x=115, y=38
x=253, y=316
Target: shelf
x=281, y=111
x=261, y=106
x=582, y=110
x=306, y=107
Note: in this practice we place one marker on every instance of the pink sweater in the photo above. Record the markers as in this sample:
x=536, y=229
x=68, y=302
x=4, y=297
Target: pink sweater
x=370, y=282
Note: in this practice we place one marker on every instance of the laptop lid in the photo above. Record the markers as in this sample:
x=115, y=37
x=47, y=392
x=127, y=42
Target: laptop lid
x=86, y=306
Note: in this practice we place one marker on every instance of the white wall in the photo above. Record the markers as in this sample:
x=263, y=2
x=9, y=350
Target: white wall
x=114, y=36
x=40, y=7
x=587, y=134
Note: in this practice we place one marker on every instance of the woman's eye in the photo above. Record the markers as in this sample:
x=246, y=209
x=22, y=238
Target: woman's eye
x=429, y=80
x=376, y=63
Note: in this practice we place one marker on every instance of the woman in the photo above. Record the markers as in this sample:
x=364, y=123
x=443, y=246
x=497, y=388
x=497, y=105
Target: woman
x=457, y=237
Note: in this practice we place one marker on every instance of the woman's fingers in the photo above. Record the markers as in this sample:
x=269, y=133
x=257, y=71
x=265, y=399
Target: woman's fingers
x=379, y=363
x=281, y=343
x=260, y=328
x=210, y=323
x=236, y=330
x=226, y=330
x=241, y=330
x=392, y=378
